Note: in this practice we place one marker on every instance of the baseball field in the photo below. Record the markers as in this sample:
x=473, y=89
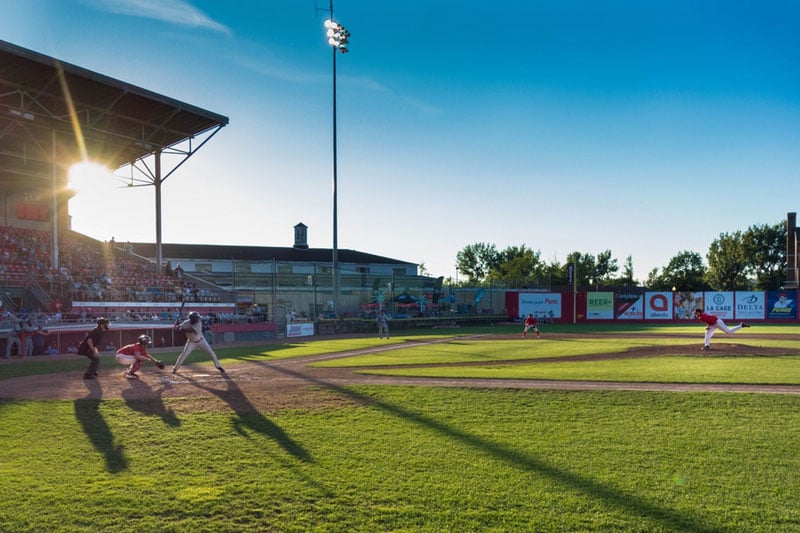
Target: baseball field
x=589, y=428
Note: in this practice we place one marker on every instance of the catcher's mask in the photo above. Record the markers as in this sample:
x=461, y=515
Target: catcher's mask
x=144, y=340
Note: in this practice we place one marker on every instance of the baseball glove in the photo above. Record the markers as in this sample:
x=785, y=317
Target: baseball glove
x=160, y=365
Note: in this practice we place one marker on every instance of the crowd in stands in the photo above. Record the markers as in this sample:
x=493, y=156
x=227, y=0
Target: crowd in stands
x=91, y=271
x=88, y=271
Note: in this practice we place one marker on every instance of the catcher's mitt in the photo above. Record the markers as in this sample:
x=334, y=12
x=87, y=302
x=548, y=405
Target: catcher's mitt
x=160, y=365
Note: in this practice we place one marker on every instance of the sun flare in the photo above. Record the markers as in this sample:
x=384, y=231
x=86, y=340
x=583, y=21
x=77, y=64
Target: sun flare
x=88, y=175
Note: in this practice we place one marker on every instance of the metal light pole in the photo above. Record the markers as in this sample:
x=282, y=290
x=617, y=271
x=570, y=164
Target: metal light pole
x=338, y=38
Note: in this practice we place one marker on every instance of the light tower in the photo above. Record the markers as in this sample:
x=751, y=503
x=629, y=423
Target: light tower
x=338, y=38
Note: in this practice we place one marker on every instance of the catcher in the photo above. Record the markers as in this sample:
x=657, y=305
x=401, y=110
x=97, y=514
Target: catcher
x=136, y=354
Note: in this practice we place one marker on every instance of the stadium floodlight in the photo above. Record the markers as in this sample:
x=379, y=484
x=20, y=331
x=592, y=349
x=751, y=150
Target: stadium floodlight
x=338, y=38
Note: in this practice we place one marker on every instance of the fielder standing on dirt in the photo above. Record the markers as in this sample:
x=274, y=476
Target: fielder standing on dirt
x=136, y=354
x=90, y=347
x=530, y=323
x=193, y=328
x=712, y=323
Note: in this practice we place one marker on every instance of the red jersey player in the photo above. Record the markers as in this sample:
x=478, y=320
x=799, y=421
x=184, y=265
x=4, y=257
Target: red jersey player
x=713, y=322
x=136, y=354
x=530, y=323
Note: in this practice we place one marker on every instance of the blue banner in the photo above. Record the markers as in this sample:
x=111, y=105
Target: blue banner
x=782, y=305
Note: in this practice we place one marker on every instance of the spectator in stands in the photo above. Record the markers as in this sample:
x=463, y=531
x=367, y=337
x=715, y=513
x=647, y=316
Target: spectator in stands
x=52, y=349
x=168, y=269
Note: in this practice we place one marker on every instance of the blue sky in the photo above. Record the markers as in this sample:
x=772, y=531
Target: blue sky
x=644, y=127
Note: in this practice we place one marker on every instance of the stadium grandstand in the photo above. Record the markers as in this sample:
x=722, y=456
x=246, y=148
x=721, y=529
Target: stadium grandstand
x=53, y=115
x=56, y=282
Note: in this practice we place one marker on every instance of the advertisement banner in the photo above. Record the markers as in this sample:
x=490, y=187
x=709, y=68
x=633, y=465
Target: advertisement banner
x=629, y=306
x=540, y=304
x=750, y=305
x=600, y=306
x=684, y=304
x=300, y=329
x=658, y=305
x=781, y=304
x=720, y=304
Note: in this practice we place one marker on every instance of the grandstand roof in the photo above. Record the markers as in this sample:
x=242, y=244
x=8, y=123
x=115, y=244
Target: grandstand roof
x=119, y=123
x=260, y=253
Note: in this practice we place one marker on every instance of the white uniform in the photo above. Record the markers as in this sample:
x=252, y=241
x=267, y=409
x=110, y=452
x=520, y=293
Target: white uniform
x=195, y=339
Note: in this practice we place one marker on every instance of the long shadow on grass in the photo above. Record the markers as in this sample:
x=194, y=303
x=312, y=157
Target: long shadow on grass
x=150, y=403
x=249, y=416
x=630, y=503
x=87, y=412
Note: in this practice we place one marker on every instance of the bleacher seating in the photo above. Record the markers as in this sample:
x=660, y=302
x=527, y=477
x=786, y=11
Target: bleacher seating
x=89, y=270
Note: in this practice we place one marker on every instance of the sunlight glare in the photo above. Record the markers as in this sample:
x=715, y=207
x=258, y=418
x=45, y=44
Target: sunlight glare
x=87, y=175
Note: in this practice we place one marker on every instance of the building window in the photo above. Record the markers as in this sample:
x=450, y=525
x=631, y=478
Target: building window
x=242, y=267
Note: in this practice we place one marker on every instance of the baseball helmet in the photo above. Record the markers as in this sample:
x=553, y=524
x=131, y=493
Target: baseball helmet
x=194, y=317
x=102, y=320
x=145, y=340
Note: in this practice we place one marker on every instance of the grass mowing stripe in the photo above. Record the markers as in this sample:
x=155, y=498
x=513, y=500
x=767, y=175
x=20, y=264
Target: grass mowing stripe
x=783, y=370
x=488, y=350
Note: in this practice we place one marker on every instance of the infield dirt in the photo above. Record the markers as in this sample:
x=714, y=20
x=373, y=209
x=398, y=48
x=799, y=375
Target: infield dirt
x=293, y=383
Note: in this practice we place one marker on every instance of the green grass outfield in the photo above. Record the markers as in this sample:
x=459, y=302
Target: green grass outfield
x=418, y=458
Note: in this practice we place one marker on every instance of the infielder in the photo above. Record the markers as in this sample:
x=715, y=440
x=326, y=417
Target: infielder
x=134, y=355
x=712, y=323
x=530, y=323
x=193, y=328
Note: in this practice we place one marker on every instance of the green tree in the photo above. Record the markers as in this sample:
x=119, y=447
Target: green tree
x=604, y=268
x=584, y=266
x=684, y=272
x=556, y=273
x=476, y=261
x=518, y=265
x=654, y=280
x=727, y=263
x=765, y=250
x=627, y=273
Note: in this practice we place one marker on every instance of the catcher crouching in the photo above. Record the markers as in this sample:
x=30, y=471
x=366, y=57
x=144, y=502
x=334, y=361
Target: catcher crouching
x=136, y=354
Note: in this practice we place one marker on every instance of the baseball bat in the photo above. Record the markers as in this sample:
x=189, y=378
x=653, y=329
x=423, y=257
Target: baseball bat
x=180, y=311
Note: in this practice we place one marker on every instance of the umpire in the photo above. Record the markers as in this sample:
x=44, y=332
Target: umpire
x=90, y=347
